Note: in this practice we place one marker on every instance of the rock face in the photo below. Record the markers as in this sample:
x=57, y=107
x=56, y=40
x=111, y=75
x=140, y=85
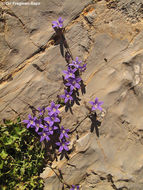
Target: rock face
x=106, y=154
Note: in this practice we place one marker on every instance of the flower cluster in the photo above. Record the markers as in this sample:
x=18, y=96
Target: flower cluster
x=72, y=79
x=58, y=24
x=47, y=126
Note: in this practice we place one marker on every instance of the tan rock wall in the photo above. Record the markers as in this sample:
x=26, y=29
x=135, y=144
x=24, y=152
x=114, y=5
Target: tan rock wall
x=108, y=36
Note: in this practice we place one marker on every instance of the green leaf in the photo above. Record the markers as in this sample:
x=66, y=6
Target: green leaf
x=18, y=120
x=8, y=122
x=1, y=164
x=5, y=132
x=22, y=170
x=19, y=130
x=7, y=140
x=4, y=187
x=3, y=154
x=17, y=146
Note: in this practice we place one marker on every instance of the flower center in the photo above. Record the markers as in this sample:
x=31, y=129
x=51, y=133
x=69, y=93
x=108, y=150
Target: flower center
x=50, y=128
x=54, y=109
x=31, y=122
x=63, y=144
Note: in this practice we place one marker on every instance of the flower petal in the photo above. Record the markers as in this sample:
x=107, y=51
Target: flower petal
x=77, y=86
x=25, y=121
x=100, y=103
x=58, y=143
x=92, y=103
x=61, y=136
x=61, y=148
x=66, y=148
x=96, y=100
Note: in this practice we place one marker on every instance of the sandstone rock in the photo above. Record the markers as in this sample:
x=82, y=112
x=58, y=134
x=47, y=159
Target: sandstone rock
x=106, y=151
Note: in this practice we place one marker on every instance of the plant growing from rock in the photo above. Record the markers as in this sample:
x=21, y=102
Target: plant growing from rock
x=46, y=122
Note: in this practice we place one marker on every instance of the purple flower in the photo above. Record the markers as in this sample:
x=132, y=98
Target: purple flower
x=96, y=104
x=58, y=24
x=51, y=129
x=63, y=133
x=69, y=73
x=63, y=145
x=67, y=96
x=38, y=124
x=73, y=83
x=51, y=120
x=76, y=63
x=44, y=126
x=75, y=187
x=82, y=68
x=41, y=111
x=53, y=109
x=31, y=122
x=44, y=135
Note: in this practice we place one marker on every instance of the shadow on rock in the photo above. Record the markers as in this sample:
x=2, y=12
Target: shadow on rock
x=94, y=123
x=37, y=67
x=59, y=39
x=64, y=154
x=76, y=100
x=83, y=89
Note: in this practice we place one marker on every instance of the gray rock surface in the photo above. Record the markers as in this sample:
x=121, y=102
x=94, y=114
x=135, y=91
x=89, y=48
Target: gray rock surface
x=108, y=36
